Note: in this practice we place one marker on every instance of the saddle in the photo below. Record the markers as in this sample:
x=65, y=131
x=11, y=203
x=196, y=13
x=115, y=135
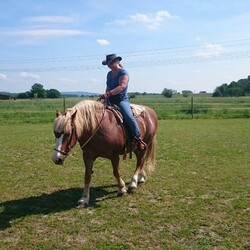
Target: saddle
x=137, y=110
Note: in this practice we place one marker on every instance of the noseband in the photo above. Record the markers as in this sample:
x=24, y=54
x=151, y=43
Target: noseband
x=61, y=152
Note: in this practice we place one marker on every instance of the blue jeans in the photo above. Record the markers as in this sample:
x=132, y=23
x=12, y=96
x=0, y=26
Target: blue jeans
x=128, y=117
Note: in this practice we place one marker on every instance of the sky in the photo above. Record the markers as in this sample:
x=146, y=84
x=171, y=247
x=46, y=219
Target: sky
x=192, y=45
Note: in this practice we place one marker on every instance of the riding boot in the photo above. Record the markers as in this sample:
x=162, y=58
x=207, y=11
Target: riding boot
x=140, y=143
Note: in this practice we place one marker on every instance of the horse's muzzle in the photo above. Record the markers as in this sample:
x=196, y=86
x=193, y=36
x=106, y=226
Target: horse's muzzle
x=58, y=157
x=58, y=161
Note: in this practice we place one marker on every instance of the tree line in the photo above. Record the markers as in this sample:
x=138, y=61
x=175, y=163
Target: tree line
x=185, y=93
x=38, y=91
x=239, y=88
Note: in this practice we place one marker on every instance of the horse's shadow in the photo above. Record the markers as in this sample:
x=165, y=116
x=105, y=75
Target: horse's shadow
x=61, y=200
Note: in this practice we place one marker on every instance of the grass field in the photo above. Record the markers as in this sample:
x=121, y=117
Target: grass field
x=204, y=107
x=198, y=197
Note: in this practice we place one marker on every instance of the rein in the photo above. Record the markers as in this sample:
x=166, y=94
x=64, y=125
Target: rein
x=96, y=129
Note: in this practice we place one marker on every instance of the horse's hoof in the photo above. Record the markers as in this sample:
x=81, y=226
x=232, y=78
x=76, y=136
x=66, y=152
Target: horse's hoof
x=82, y=205
x=122, y=192
x=83, y=202
x=141, y=180
x=131, y=190
x=141, y=183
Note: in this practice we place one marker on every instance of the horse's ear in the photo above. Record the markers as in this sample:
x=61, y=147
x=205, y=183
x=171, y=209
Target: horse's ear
x=58, y=113
x=73, y=116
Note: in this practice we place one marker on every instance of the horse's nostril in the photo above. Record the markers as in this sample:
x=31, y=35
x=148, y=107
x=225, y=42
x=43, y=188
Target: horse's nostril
x=59, y=161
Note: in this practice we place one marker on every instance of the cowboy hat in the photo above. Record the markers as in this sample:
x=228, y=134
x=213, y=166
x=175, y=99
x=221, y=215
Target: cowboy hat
x=110, y=58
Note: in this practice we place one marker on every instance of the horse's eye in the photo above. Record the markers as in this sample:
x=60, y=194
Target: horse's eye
x=57, y=134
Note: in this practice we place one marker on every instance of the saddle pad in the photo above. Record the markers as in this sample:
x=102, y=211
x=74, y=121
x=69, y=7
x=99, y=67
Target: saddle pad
x=137, y=109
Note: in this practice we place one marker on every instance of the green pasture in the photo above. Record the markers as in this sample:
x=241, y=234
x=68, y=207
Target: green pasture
x=197, y=198
x=196, y=107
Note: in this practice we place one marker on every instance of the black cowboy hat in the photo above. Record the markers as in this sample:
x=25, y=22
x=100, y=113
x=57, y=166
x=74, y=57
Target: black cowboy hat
x=110, y=58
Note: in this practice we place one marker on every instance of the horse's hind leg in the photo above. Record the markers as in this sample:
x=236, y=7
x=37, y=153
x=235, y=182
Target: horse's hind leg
x=116, y=170
x=139, y=174
x=142, y=177
x=84, y=200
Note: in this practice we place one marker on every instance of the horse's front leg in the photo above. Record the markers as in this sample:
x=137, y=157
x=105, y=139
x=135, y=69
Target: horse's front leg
x=116, y=170
x=84, y=200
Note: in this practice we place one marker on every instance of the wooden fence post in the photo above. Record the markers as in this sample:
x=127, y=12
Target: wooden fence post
x=64, y=106
x=192, y=107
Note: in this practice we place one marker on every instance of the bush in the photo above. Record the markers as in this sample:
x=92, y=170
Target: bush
x=167, y=93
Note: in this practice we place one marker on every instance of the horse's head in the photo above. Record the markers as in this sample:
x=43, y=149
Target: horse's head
x=65, y=134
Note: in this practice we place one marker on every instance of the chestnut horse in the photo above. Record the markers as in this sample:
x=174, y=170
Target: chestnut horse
x=101, y=135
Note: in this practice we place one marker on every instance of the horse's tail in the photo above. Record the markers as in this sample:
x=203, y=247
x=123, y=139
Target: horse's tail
x=149, y=157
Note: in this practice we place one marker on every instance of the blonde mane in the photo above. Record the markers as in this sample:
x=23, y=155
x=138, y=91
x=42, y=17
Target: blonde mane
x=85, y=119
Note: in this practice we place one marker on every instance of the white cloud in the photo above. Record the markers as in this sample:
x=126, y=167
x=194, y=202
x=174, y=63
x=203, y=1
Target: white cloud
x=50, y=19
x=210, y=49
x=39, y=28
x=3, y=77
x=27, y=75
x=102, y=42
x=151, y=21
x=67, y=80
x=45, y=32
x=94, y=80
x=120, y=22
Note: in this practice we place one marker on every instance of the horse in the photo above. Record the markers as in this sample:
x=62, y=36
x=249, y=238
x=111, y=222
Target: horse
x=100, y=134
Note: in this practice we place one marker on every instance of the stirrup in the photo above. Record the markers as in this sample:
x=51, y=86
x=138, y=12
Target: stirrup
x=140, y=143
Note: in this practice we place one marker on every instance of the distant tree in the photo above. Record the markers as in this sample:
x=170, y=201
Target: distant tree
x=24, y=95
x=53, y=93
x=38, y=91
x=239, y=88
x=168, y=93
x=186, y=93
x=235, y=91
x=247, y=88
x=217, y=93
x=221, y=90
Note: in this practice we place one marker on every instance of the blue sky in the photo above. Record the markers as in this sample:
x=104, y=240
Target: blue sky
x=177, y=44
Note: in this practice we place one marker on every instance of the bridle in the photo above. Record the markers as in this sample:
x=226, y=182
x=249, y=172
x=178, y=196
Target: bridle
x=69, y=147
x=61, y=152
x=73, y=133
